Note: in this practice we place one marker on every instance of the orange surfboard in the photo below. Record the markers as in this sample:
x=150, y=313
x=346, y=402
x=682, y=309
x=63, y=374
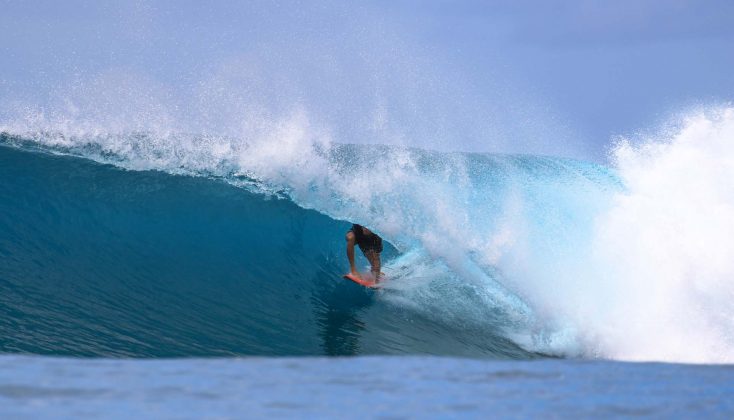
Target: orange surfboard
x=366, y=282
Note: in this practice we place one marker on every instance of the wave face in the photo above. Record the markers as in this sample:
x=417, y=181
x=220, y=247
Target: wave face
x=98, y=261
x=164, y=244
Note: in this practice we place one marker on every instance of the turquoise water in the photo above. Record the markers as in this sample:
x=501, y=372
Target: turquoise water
x=99, y=261
x=191, y=262
x=179, y=246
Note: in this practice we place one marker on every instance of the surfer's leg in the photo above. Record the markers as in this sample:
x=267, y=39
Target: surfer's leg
x=374, y=258
x=350, y=252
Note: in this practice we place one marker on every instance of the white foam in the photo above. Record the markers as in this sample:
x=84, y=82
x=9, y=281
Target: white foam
x=667, y=246
x=645, y=273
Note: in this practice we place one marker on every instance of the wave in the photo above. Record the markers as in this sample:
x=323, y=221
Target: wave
x=205, y=245
x=103, y=262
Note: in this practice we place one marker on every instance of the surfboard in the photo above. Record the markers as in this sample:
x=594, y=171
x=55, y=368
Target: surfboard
x=365, y=281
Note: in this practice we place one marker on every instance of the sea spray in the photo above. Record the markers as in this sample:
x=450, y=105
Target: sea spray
x=666, y=245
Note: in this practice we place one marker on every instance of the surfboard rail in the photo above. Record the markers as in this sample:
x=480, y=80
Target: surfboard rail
x=363, y=282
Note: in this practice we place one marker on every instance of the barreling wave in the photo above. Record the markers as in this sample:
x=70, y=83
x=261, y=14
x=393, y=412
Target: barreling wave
x=179, y=245
x=98, y=261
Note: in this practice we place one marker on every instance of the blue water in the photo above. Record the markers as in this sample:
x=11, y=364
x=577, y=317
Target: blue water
x=115, y=247
x=362, y=387
x=99, y=261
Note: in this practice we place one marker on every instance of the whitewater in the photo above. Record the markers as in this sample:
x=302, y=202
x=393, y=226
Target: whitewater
x=151, y=242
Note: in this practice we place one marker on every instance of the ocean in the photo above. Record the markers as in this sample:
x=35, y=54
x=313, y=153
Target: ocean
x=180, y=275
x=359, y=387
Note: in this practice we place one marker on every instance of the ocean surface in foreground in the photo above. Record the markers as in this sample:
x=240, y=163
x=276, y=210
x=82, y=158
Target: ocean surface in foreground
x=359, y=387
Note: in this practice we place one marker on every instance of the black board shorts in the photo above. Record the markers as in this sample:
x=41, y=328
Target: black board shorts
x=366, y=242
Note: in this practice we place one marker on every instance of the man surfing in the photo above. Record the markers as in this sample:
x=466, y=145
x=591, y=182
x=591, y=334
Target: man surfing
x=371, y=246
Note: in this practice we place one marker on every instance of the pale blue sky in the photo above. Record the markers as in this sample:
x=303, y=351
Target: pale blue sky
x=508, y=76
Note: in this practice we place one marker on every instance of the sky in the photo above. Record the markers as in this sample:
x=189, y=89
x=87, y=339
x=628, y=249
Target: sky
x=560, y=78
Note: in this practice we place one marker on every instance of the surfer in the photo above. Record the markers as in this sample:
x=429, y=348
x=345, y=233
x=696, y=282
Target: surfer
x=371, y=246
